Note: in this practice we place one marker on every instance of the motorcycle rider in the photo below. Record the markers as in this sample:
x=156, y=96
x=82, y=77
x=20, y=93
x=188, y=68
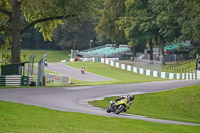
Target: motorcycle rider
x=83, y=69
x=129, y=98
x=45, y=62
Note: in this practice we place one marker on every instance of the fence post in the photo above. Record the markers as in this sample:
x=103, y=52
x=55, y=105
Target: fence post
x=40, y=81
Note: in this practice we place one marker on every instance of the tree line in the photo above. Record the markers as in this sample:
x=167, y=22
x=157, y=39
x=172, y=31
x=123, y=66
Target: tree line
x=73, y=23
x=155, y=22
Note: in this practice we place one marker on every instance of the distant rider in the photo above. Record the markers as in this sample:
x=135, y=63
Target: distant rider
x=83, y=69
x=45, y=62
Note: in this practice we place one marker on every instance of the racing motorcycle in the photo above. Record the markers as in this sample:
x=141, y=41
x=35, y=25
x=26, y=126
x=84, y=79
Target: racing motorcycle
x=82, y=71
x=119, y=106
x=45, y=62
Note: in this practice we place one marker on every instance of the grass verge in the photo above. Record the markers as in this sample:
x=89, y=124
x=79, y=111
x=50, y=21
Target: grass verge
x=19, y=118
x=180, y=67
x=121, y=76
x=181, y=104
x=52, y=56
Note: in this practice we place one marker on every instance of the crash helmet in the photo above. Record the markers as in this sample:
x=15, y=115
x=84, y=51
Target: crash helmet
x=82, y=66
x=131, y=98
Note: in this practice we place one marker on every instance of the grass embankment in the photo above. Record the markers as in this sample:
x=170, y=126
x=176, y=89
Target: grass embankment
x=180, y=67
x=171, y=67
x=181, y=104
x=121, y=76
x=21, y=118
x=52, y=56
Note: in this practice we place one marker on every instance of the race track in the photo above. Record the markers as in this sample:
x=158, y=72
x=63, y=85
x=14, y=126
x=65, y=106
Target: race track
x=75, y=99
x=75, y=73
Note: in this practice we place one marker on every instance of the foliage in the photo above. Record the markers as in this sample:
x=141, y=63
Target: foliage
x=40, y=9
x=137, y=22
x=193, y=54
x=33, y=39
x=76, y=35
x=178, y=20
x=102, y=40
x=44, y=14
x=110, y=16
x=156, y=21
x=5, y=52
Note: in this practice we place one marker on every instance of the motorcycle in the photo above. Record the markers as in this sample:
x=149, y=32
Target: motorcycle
x=119, y=106
x=82, y=71
x=45, y=63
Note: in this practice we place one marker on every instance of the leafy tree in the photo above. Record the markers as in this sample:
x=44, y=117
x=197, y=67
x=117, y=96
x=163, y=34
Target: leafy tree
x=102, y=40
x=33, y=39
x=76, y=35
x=109, y=18
x=178, y=20
x=151, y=22
x=137, y=25
x=188, y=17
x=44, y=14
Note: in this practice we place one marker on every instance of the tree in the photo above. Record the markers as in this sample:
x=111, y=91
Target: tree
x=77, y=35
x=109, y=17
x=178, y=20
x=44, y=14
x=188, y=18
x=136, y=24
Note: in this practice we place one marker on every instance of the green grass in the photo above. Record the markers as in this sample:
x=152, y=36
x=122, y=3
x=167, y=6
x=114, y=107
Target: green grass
x=181, y=104
x=181, y=67
x=52, y=56
x=19, y=118
x=122, y=76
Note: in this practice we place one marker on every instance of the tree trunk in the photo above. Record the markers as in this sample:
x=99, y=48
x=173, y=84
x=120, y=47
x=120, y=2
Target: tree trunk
x=15, y=45
x=161, y=50
x=133, y=52
x=151, y=51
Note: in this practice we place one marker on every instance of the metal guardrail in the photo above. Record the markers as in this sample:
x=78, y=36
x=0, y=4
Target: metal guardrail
x=15, y=80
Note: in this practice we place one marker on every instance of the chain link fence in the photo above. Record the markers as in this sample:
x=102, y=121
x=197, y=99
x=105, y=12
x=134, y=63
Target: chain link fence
x=52, y=79
x=148, y=64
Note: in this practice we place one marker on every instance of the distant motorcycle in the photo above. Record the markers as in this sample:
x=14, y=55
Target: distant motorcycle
x=82, y=71
x=45, y=63
x=119, y=106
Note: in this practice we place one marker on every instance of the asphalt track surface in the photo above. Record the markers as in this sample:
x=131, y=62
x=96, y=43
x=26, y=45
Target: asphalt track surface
x=75, y=99
x=75, y=73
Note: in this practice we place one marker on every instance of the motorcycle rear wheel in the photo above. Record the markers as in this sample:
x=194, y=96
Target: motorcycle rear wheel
x=108, y=110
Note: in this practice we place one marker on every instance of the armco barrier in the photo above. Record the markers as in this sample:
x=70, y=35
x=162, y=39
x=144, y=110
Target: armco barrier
x=186, y=76
x=15, y=80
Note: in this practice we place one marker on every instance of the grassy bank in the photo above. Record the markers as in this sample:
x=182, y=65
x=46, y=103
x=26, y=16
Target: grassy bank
x=180, y=104
x=180, y=67
x=19, y=118
x=52, y=56
x=121, y=76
